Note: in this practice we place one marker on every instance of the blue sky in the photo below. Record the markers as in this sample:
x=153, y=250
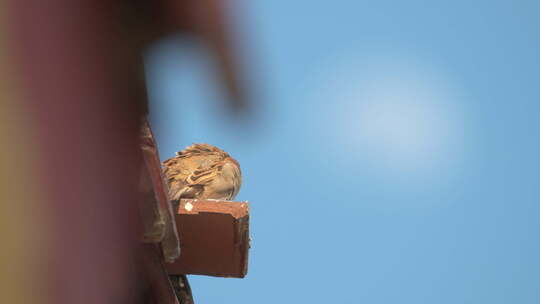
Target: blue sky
x=395, y=154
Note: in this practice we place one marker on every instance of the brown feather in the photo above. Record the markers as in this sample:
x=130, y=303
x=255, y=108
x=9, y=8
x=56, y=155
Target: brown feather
x=202, y=171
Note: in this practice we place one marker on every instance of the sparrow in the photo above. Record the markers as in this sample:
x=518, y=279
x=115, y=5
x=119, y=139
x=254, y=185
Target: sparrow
x=202, y=171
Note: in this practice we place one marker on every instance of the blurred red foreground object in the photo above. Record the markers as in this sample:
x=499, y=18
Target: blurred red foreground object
x=79, y=72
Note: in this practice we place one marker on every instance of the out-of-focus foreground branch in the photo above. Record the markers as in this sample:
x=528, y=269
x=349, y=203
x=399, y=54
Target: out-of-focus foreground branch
x=72, y=95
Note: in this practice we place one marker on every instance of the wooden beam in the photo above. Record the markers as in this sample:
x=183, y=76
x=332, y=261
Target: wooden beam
x=157, y=214
x=215, y=238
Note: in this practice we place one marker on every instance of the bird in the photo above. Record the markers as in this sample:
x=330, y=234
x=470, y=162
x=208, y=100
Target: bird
x=200, y=171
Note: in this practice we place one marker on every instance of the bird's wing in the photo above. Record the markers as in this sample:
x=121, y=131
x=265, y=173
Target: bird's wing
x=187, y=177
x=204, y=175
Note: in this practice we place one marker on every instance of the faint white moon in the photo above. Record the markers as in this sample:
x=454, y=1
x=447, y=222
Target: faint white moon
x=396, y=113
